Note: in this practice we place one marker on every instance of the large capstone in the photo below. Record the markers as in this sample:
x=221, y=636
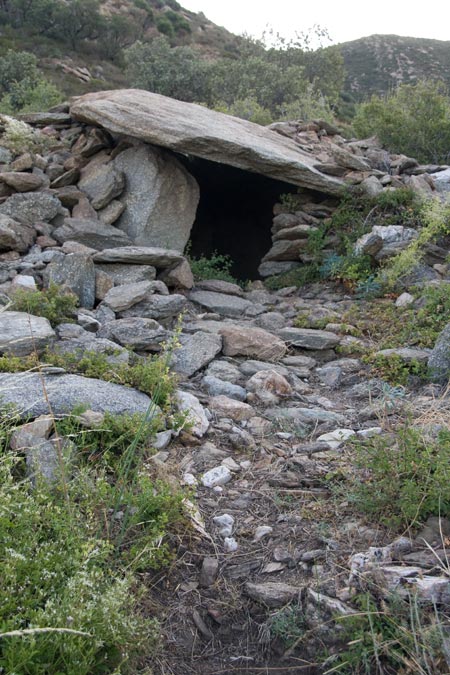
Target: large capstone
x=195, y=130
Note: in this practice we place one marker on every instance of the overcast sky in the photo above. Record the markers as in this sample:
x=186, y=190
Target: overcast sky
x=344, y=19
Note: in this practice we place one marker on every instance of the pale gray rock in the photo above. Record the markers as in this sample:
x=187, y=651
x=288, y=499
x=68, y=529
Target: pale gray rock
x=136, y=333
x=439, y=359
x=92, y=233
x=122, y=273
x=76, y=273
x=285, y=250
x=64, y=392
x=271, y=321
x=22, y=334
x=161, y=258
x=15, y=236
x=220, y=475
x=219, y=286
x=441, y=180
x=272, y=594
x=309, y=338
x=21, y=181
x=406, y=354
x=157, y=307
x=306, y=416
x=180, y=277
x=249, y=367
x=216, y=387
x=31, y=207
x=195, y=352
x=112, y=212
x=160, y=198
x=223, y=370
x=195, y=130
x=223, y=406
x=226, y=305
x=190, y=405
x=256, y=342
x=209, y=572
x=96, y=345
x=123, y=297
x=101, y=183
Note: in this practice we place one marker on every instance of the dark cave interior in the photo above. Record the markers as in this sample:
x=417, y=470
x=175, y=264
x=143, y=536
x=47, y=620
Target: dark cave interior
x=234, y=216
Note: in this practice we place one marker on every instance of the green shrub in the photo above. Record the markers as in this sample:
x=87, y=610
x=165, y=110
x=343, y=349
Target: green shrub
x=412, y=119
x=405, y=479
x=150, y=375
x=247, y=109
x=54, y=303
x=216, y=266
x=392, y=635
x=435, y=221
x=165, y=26
x=396, y=370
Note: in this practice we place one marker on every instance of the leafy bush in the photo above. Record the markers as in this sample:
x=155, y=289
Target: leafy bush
x=22, y=87
x=403, y=480
x=389, y=635
x=150, y=375
x=54, y=303
x=65, y=603
x=216, y=266
x=435, y=220
x=413, y=119
x=247, y=109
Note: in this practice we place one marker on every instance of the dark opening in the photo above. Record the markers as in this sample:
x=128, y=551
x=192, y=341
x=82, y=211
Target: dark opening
x=235, y=213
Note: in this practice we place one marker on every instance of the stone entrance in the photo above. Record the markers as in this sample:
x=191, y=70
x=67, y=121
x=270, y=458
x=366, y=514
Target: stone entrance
x=234, y=215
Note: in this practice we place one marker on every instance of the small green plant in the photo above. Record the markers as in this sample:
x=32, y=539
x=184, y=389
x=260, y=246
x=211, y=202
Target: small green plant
x=288, y=625
x=55, y=303
x=216, y=266
x=396, y=370
x=403, y=480
x=393, y=635
x=150, y=375
x=435, y=223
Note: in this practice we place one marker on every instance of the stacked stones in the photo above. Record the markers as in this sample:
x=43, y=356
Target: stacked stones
x=292, y=224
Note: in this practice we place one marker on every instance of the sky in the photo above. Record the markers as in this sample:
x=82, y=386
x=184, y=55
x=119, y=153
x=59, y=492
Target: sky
x=344, y=19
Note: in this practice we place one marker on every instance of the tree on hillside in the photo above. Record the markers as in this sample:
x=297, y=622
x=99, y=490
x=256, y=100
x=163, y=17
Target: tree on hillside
x=78, y=20
x=179, y=72
x=22, y=87
x=412, y=119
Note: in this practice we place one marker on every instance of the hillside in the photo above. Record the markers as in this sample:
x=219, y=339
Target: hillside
x=377, y=63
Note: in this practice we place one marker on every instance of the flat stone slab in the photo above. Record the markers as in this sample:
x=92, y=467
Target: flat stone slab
x=65, y=392
x=309, y=338
x=22, y=334
x=195, y=130
x=140, y=255
x=227, y=305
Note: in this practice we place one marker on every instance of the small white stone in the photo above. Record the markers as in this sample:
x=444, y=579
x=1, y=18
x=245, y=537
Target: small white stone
x=220, y=475
x=230, y=544
x=404, y=300
x=162, y=439
x=231, y=464
x=190, y=479
x=225, y=522
x=25, y=281
x=246, y=464
x=262, y=531
x=337, y=437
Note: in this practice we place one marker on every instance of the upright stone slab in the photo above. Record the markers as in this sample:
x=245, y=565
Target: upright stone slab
x=160, y=198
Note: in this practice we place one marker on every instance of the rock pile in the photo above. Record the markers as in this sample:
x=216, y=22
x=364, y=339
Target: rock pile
x=272, y=406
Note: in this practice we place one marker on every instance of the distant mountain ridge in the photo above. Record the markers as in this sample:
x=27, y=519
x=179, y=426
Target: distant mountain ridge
x=377, y=63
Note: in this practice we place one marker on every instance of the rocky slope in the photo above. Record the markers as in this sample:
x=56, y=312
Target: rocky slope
x=378, y=63
x=272, y=407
